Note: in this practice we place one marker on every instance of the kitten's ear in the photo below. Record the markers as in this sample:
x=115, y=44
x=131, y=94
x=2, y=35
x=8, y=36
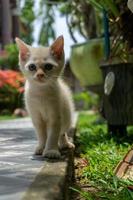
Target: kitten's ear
x=23, y=49
x=57, y=47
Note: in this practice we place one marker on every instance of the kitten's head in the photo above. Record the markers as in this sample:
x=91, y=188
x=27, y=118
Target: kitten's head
x=43, y=64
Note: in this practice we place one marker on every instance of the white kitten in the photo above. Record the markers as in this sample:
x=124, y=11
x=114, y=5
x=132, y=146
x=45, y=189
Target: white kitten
x=47, y=98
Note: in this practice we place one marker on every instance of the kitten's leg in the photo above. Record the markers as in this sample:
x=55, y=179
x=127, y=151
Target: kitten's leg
x=40, y=127
x=51, y=149
x=64, y=142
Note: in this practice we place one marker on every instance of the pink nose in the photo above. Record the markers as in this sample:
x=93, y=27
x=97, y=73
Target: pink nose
x=40, y=75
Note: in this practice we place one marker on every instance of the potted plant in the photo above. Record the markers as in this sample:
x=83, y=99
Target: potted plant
x=116, y=65
x=85, y=58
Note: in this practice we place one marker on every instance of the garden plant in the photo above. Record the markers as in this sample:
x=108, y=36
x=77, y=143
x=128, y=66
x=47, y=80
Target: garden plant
x=11, y=89
x=97, y=156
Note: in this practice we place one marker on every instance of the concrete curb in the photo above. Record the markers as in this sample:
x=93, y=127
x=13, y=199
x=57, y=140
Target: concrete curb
x=52, y=182
x=55, y=178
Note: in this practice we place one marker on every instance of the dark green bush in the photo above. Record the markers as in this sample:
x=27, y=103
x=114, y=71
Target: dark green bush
x=11, y=60
x=86, y=99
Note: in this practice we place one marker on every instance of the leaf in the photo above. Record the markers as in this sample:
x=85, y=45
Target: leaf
x=87, y=195
x=107, y=5
x=115, y=182
x=131, y=194
x=95, y=4
x=111, y=5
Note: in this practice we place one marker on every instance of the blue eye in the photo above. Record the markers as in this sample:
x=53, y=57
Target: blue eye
x=32, y=67
x=48, y=66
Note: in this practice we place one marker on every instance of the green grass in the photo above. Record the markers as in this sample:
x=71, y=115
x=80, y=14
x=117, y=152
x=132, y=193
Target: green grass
x=102, y=154
x=7, y=117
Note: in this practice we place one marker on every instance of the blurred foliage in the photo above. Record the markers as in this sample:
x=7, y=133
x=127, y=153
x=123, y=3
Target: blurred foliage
x=85, y=17
x=46, y=12
x=27, y=18
x=110, y=6
x=80, y=16
x=11, y=60
x=120, y=19
x=29, y=14
x=87, y=99
x=11, y=89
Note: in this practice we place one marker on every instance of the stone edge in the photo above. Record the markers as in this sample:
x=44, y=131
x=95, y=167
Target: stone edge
x=54, y=179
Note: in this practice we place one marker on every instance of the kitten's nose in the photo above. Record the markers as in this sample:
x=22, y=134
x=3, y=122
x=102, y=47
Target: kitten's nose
x=40, y=75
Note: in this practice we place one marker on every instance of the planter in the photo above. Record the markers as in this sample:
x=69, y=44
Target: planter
x=118, y=102
x=84, y=62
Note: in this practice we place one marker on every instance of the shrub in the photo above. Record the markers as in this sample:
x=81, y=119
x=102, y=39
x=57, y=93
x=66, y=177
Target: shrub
x=11, y=89
x=11, y=59
x=86, y=100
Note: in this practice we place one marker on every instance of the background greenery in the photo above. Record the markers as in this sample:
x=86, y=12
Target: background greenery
x=10, y=61
x=86, y=17
x=81, y=16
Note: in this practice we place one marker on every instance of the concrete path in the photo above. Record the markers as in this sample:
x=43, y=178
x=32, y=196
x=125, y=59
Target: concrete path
x=17, y=167
x=21, y=172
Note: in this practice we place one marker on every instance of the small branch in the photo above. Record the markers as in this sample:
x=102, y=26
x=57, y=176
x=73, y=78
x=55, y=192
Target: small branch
x=70, y=30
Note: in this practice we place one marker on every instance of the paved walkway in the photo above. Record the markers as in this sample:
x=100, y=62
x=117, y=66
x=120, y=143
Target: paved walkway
x=17, y=166
x=20, y=123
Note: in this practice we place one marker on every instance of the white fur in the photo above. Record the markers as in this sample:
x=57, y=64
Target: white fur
x=49, y=104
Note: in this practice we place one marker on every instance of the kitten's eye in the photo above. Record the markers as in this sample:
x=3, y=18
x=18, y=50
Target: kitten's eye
x=48, y=66
x=32, y=67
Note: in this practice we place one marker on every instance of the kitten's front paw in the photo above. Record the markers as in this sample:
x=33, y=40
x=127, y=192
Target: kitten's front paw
x=51, y=154
x=67, y=145
x=70, y=145
x=39, y=150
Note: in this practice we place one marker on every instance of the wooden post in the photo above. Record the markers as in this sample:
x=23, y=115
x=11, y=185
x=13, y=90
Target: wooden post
x=15, y=19
x=6, y=22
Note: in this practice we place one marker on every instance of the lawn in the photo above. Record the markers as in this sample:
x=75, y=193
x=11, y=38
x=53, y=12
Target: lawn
x=7, y=117
x=97, y=156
